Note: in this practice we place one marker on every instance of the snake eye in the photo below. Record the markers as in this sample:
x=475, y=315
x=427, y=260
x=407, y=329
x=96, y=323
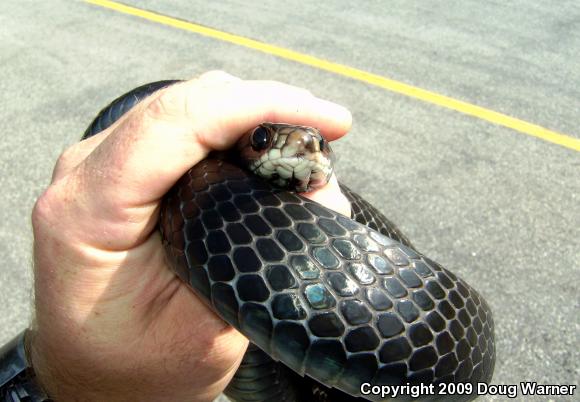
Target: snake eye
x=260, y=139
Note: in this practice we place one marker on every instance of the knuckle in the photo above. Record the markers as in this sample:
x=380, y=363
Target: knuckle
x=54, y=203
x=65, y=158
x=167, y=104
x=44, y=209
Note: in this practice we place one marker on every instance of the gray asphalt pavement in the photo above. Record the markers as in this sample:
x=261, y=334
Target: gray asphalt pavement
x=497, y=207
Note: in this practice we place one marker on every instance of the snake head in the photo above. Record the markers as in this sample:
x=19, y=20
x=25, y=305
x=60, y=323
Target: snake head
x=289, y=156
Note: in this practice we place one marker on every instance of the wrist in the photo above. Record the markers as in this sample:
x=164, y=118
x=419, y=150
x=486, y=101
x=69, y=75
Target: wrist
x=39, y=361
x=69, y=376
x=56, y=378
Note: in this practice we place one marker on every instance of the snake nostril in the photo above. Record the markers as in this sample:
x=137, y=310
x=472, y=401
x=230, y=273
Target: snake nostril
x=322, y=144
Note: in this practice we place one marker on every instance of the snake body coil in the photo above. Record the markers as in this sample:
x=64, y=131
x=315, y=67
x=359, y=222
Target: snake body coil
x=336, y=302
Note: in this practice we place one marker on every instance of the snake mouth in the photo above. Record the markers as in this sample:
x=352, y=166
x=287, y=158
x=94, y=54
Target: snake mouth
x=299, y=172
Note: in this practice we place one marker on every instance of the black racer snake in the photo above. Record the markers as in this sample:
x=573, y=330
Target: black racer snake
x=327, y=302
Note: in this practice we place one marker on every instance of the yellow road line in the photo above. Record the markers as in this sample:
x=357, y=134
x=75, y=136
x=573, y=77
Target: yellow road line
x=353, y=73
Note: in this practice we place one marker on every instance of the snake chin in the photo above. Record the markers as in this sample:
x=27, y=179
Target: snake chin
x=296, y=173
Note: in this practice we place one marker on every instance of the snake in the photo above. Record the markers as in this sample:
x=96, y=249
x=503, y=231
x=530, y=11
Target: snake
x=335, y=308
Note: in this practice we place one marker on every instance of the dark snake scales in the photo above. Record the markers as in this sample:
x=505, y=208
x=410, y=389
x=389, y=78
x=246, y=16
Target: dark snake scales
x=328, y=303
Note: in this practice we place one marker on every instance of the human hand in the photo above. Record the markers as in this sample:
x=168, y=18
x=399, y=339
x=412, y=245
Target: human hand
x=113, y=323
